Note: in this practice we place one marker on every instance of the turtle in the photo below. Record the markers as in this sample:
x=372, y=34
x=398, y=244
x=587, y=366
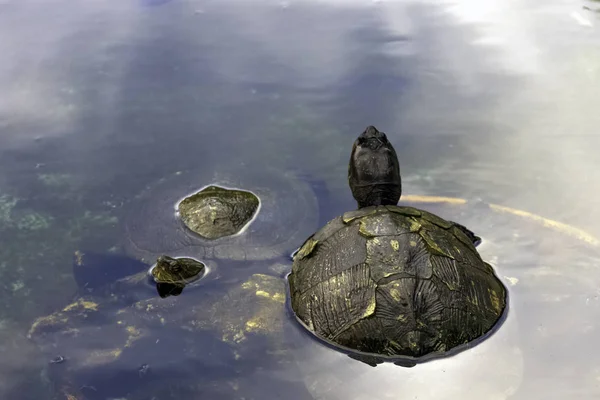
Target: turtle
x=171, y=275
x=113, y=275
x=392, y=283
x=231, y=213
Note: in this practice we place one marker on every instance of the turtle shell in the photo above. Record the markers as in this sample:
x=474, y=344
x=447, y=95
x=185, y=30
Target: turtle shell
x=216, y=212
x=394, y=282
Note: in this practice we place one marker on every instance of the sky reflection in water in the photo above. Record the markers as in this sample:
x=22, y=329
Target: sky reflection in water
x=491, y=101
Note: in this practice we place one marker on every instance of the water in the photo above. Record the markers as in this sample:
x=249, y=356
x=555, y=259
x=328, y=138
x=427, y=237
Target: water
x=494, y=103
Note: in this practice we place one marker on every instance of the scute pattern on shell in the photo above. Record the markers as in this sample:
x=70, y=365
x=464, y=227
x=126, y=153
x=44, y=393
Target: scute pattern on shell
x=394, y=282
x=215, y=212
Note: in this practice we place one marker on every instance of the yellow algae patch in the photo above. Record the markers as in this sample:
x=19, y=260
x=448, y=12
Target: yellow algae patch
x=239, y=336
x=261, y=323
x=433, y=246
x=132, y=330
x=370, y=308
x=252, y=324
x=395, y=245
x=265, y=317
x=49, y=320
x=253, y=307
x=102, y=356
x=415, y=226
x=86, y=305
x=279, y=297
x=258, y=324
x=134, y=334
x=495, y=301
x=307, y=248
x=364, y=230
x=352, y=215
x=258, y=282
x=231, y=335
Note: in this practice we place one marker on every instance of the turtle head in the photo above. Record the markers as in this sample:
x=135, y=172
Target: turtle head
x=167, y=269
x=166, y=262
x=372, y=138
x=374, y=170
x=178, y=271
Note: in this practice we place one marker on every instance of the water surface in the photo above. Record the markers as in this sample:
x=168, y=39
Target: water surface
x=491, y=103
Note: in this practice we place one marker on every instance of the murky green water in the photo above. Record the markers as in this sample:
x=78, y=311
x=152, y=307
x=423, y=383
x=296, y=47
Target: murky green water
x=494, y=103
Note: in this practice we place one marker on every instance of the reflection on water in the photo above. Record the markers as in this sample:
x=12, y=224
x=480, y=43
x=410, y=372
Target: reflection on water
x=100, y=100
